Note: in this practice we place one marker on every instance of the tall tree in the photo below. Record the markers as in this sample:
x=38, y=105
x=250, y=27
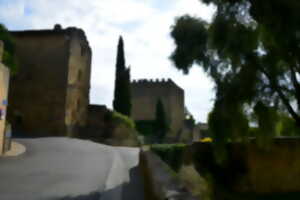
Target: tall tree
x=161, y=124
x=127, y=93
x=252, y=55
x=122, y=97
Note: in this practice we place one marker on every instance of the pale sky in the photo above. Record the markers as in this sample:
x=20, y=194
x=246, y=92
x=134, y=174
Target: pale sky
x=145, y=26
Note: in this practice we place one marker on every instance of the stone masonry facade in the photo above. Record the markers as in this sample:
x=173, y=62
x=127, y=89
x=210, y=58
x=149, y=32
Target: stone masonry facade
x=145, y=95
x=4, y=84
x=49, y=95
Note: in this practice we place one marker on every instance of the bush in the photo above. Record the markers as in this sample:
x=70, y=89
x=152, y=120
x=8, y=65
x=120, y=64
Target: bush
x=9, y=49
x=172, y=154
x=111, y=128
x=120, y=118
x=145, y=127
x=288, y=126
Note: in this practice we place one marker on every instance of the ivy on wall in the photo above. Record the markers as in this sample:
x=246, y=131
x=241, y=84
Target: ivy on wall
x=9, y=49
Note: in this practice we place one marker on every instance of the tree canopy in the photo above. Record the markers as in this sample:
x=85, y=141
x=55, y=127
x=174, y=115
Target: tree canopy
x=251, y=50
x=9, y=48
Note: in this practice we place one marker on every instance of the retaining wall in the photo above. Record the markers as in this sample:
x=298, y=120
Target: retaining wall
x=161, y=183
x=252, y=169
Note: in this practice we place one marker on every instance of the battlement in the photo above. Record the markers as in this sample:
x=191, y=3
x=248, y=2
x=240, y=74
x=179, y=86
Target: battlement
x=154, y=82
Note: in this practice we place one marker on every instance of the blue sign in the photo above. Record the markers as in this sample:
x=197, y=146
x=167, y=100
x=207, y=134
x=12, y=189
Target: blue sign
x=4, y=102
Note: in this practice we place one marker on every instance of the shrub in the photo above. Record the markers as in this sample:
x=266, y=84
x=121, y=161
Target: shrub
x=120, y=118
x=172, y=154
x=145, y=127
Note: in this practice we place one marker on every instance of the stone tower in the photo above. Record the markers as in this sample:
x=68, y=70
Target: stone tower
x=146, y=93
x=49, y=95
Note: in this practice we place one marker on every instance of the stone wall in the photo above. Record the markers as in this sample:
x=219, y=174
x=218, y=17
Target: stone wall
x=146, y=93
x=253, y=170
x=4, y=84
x=98, y=128
x=160, y=181
x=106, y=127
x=45, y=97
x=77, y=99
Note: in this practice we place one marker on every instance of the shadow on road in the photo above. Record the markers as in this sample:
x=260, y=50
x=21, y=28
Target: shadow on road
x=91, y=196
x=133, y=190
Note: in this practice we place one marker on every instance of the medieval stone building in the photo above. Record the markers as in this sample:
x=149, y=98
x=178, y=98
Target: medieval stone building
x=145, y=95
x=4, y=85
x=50, y=93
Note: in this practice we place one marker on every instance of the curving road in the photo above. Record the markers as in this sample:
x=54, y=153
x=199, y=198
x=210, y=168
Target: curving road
x=71, y=169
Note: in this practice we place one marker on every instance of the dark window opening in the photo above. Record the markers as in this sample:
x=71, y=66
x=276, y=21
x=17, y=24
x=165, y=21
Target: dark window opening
x=79, y=75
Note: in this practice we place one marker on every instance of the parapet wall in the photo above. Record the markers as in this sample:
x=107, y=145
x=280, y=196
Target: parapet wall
x=251, y=169
x=160, y=181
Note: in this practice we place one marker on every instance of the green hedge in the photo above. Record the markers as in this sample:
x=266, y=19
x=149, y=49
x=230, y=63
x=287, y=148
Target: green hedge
x=172, y=154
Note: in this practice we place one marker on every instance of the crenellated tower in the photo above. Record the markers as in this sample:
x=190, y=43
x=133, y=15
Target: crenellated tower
x=146, y=93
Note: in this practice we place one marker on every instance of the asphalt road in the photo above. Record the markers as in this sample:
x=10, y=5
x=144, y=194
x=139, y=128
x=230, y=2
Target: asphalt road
x=70, y=169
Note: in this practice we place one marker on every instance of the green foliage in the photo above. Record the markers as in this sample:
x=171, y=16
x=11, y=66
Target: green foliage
x=161, y=124
x=272, y=123
x=252, y=62
x=9, y=49
x=127, y=93
x=172, y=154
x=288, y=127
x=224, y=129
x=154, y=130
x=267, y=119
x=190, y=36
x=122, y=93
x=120, y=118
x=145, y=127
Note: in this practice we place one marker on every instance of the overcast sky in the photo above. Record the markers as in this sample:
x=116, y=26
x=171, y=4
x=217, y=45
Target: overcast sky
x=145, y=27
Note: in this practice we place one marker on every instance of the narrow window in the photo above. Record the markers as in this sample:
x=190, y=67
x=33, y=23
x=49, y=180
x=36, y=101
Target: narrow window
x=79, y=75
